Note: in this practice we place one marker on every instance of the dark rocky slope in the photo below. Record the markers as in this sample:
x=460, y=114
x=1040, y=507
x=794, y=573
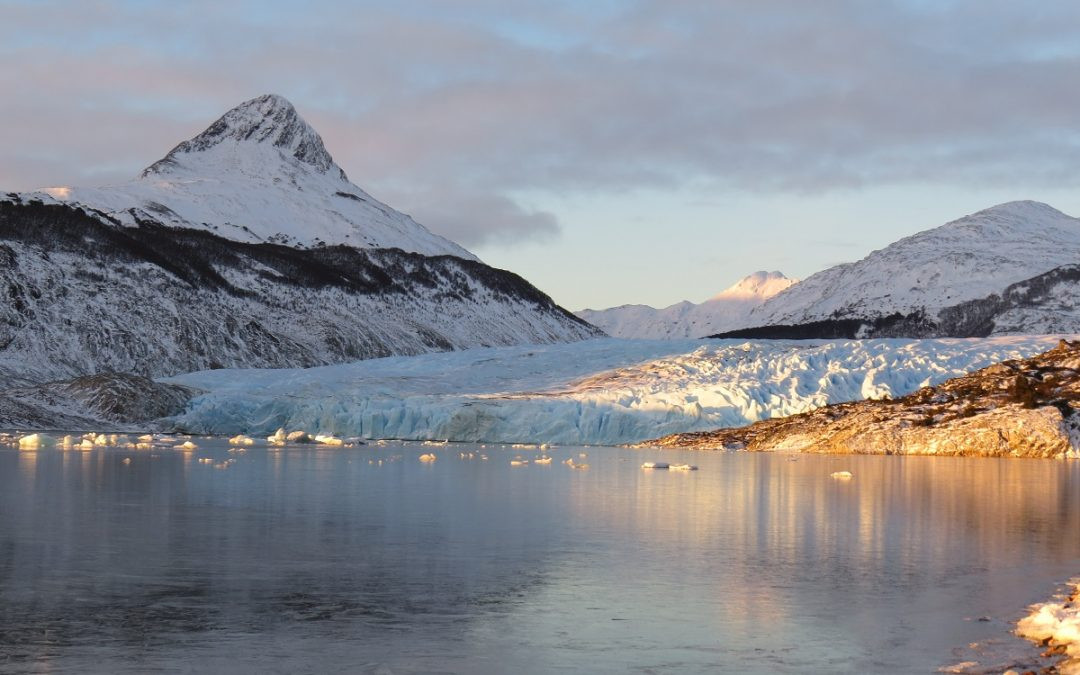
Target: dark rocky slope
x=83, y=295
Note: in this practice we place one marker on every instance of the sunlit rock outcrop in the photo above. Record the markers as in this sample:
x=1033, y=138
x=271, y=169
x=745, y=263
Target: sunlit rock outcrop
x=1022, y=408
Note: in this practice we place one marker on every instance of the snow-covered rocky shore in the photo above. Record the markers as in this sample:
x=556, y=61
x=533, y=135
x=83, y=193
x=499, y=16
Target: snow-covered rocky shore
x=1055, y=624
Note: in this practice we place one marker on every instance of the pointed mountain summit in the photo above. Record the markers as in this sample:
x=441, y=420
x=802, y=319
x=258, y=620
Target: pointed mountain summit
x=260, y=173
x=269, y=119
x=245, y=246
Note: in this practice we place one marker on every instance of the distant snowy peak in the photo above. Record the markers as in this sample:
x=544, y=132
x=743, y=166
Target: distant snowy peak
x=761, y=285
x=961, y=261
x=269, y=119
x=260, y=173
x=725, y=311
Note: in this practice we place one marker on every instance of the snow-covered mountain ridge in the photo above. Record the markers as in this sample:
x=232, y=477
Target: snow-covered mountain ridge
x=245, y=246
x=936, y=271
x=260, y=173
x=725, y=311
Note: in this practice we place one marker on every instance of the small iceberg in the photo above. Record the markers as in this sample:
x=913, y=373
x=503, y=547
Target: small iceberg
x=841, y=475
x=683, y=467
x=241, y=439
x=655, y=465
x=428, y=457
x=35, y=441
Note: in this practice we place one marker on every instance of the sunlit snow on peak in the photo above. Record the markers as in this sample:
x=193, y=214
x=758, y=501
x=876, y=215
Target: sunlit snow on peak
x=62, y=193
x=260, y=173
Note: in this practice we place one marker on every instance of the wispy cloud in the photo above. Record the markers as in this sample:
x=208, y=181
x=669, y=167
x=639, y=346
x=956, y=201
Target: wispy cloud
x=453, y=108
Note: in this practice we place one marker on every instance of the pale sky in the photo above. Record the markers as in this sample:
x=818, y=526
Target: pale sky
x=610, y=152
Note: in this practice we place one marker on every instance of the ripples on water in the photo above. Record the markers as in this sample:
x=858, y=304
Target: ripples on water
x=313, y=560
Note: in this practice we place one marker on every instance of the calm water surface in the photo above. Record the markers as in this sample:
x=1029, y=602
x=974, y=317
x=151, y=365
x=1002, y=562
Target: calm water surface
x=318, y=560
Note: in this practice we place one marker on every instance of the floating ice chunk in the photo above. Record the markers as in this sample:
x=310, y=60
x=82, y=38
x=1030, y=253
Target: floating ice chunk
x=542, y=460
x=841, y=475
x=518, y=462
x=241, y=439
x=683, y=467
x=428, y=457
x=655, y=465
x=328, y=440
x=186, y=445
x=298, y=437
x=146, y=438
x=35, y=441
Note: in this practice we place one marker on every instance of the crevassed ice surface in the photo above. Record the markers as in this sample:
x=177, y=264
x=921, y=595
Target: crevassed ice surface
x=605, y=391
x=306, y=560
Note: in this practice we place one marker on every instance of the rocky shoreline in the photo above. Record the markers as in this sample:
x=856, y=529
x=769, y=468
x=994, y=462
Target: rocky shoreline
x=1020, y=408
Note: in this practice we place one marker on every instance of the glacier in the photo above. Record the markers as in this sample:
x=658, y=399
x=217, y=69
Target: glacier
x=603, y=391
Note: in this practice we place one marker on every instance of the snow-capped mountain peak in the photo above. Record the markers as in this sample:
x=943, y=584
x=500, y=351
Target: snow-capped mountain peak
x=260, y=173
x=269, y=119
x=761, y=285
x=725, y=311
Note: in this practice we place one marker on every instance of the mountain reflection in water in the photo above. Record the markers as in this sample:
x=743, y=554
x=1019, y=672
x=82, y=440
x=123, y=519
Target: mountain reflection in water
x=309, y=560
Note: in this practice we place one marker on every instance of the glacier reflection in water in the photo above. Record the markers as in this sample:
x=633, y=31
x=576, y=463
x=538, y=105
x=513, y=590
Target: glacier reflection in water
x=316, y=560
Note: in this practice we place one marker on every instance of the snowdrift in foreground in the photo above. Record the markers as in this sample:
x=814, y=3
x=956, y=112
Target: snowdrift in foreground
x=605, y=391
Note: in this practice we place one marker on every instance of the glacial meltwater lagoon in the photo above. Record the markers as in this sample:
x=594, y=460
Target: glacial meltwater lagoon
x=313, y=560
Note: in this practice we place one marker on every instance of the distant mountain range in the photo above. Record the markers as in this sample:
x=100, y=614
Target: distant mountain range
x=245, y=246
x=1010, y=269
x=725, y=311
